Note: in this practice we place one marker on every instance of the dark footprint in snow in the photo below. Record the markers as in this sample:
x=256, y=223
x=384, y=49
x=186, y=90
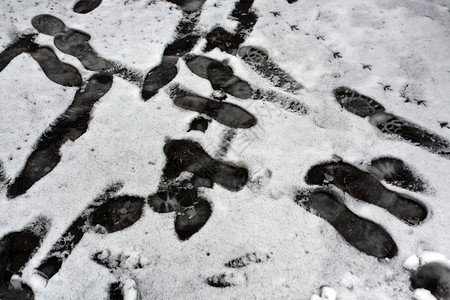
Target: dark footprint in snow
x=434, y=277
x=259, y=61
x=105, y=216
x=57, y=71
x=189, y=156
x=192, y=211
x=72, y=124
x=17, y=291
x=23, y=44
x=230, y=42
x=116, y=291
x=225, y=113
x=159, y=76
x=199, y=124
x=219, y=75
x=173, y=198
x=366, y=187
x=364, y=235
x=75, y=43
x=396, y=172
x=191, y=219
x=356, y=103
x=48, y=24
x=364, y=106
x=16, y=249
x=72, y=42
x=86, y=6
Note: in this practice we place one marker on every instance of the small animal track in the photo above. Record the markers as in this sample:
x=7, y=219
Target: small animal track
x=86, y=6
x=434, y=277
x=364, y=235
x=396, y=172
x=72, y=124
x=364, y=106
x=366, y=187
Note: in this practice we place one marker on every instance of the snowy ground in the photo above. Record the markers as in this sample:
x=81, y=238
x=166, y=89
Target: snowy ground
x=385, y=49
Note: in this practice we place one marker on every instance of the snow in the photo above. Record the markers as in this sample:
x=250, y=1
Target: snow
x=405, y=43
x=422, y=294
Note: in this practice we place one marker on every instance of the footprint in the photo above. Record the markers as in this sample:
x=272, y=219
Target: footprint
x=159, y=76
x=72, y=124
x=186, y=155
x=225, y=113
x=366, y=187
x=115, y=291
x=24, y=43
x=248, y=259
x=57, y=71
x=364, y=106
x=364, y=235
x=48, y=24
x=72, y=42
x=227, y=279
x=434, y=277
x=259, y=61
x=86, y=6
x=230, y=42
x=75, y=43
x=396, y=172
x=391, y=124
x=16, y=249
x=106, y=215
x=191, y=219
x=198, y=124
x=219, y=75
